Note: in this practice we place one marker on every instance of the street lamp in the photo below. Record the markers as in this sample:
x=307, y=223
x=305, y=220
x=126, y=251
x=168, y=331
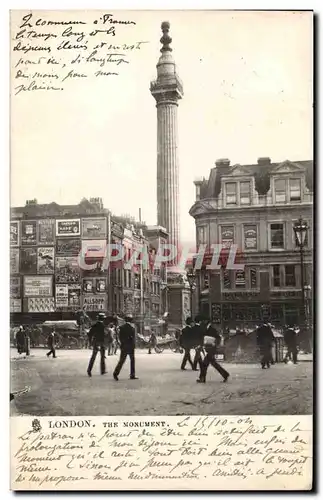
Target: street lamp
x=191, y=278
x=301, y=230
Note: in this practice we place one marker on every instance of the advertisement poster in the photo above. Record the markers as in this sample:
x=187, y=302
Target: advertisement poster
x=88, y=285
x=68, y=227
x=46, y=232
x=14, y=260
x=61, y=296
x=94, y=249
x=67, y=270
x=94, y=303
x=29, y=232
x=45, y=260
x=250, y=237
x=68, y=246
x=94, y=285
x=74, y=296
x=14, y=233
x=28, y=261
x=38, y=286
x=15, y=287
x=100, y=285
x=94, y=228
x=15, y=305
x=41, y=304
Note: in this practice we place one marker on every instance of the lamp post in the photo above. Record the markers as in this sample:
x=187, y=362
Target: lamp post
x=191, y=278
x=301, y=230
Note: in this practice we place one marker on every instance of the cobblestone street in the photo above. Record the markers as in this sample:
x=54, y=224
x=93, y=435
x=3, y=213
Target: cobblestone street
x=61, y=387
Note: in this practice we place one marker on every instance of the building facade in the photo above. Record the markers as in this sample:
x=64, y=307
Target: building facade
x=254, y=207
x=58, y=264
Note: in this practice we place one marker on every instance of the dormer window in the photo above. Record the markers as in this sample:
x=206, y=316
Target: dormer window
x=237, y=193
x=245, y=193
x=231, y=193
x=295, y=189
x=280, y=190
x=287, y=190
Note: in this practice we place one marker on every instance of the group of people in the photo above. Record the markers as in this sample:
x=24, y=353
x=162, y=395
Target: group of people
x=266, y=341
x=201, y=336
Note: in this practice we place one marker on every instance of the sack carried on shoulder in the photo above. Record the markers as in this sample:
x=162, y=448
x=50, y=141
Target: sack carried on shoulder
x=209, y=341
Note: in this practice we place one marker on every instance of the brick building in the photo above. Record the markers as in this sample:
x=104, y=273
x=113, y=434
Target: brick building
x=49, y=282
x=255, y=207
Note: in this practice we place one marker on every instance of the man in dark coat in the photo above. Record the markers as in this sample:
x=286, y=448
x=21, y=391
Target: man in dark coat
x=187, y=342
x=265, y=341
x=96, y=338
x=290, y=337
x=127, y=339
x=198, y=335
x=212, y=340
x=21, y=340
x=51, y=344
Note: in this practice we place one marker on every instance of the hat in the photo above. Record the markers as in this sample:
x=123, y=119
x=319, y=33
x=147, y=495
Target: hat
x=128, y=318
x=189, y=321
x=101, y=316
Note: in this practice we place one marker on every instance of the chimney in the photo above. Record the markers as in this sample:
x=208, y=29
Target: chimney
x=97, y=202
x=222, y=162
x=31, y=202
x=198, y=183
x=264, y=160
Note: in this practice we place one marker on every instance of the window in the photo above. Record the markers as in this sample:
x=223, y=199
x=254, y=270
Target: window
x=226, y=280
x=205, y=280
x=280, y=190
x=295, y=189
x=277, y=235
x=290, y=279
x=240, y=280
x=201, y=234
x=253, y=277
x=276, y=276
x=227, y=235
x=231, y=193
x=125, y=278
x=245, y=193
x=250, y=237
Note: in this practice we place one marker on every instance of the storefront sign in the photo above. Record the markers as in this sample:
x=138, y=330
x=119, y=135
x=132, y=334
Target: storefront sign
x=45, y=260
x=29, y=232
x=15, y=287
x=28, y=261
x=46, y=232
x=94, y=303
x=61, y=296
x=68, y=246
x=14, y=233
x=68, y=227
x=15, y=305
x=67, y=270
x=41, y=305
x=14, y=260
x=94, y=228
x=38, y=286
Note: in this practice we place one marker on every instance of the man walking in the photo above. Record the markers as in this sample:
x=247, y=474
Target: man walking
x=186, y=342
x=96, y=338
x=290, y=337
x=127, y=339
x=211, y=340
x=265, y=340
x=51, y=344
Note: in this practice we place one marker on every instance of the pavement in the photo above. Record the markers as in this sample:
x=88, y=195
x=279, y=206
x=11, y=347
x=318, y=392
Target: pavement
x=61, y=387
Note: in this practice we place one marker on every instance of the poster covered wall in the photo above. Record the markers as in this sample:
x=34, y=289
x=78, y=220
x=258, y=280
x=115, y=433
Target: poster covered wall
x=14, y=260
x=41, y=304
x=68, y=246
x=94, y=228
x=46, y=232
x=45, y=260
x=15, y=305
x=29, y=232
x=94, y=285
x=94, y=302
x=14, y=233
x=38, y=286
x=15, y=287
x=67, y=270
x=28, y=261
x=61, y=296
x=68, y=227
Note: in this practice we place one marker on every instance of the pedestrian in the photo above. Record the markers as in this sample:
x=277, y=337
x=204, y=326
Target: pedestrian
x=290, y=337
x=110, y=339
x=198, y=336
x=265, y=340
x=186, y=342
x=20, y=340
x=96, y=337
x=152, y=342
x=127, y=339
x=211, y=341
x=51, y=340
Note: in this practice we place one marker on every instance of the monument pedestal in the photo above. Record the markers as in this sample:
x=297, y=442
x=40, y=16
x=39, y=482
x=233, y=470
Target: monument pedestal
x=178, y=299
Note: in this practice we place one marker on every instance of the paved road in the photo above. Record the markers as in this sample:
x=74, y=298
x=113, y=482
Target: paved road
x=61, y=387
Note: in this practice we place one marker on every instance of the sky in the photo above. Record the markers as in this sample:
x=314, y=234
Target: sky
x=247, y=80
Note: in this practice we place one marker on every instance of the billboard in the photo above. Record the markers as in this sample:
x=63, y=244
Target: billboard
x=41, y=305
x=14, y=260
x=61, y=296
x=67, y=270
x=14, y=233
x=68, y=246
x=68, y=227
x=15, y=305
x=94, y=249
x=29, y=232
x=74, y=296
x=46, y=232
x=95, y=302
x=68, y=296
x=38, y=286
x=94, y=228
x=15, y=287
x=45, y=260
x=28, y=261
